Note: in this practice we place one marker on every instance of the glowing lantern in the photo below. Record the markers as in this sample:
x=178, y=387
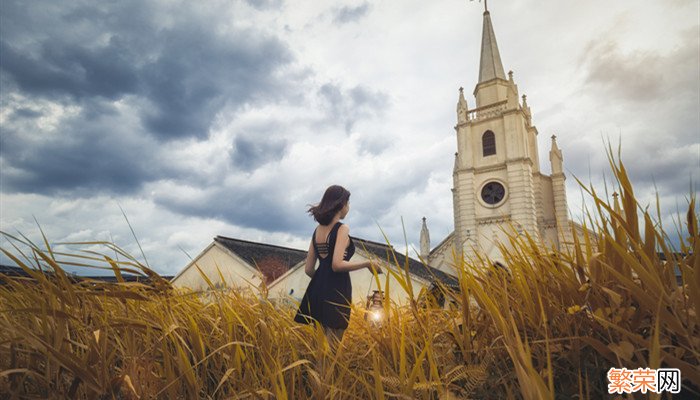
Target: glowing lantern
x=375, y=308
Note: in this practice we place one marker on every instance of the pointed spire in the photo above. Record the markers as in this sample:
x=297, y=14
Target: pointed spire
x=616, y=205
x=554, y=143
x=490, y=66
x=555, y=157
x=462, y=108
x=424, y=241
x=462, y=100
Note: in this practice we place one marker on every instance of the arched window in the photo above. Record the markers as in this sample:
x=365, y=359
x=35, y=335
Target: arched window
x=488, y=141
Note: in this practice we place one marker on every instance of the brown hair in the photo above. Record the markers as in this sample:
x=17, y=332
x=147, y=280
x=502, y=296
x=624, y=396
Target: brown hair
x=334, y=199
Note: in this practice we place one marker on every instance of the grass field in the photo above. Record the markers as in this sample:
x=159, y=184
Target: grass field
x=548, y=328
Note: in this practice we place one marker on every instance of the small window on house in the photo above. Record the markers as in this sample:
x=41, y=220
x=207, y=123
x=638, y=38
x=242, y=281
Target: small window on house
x=488, y=141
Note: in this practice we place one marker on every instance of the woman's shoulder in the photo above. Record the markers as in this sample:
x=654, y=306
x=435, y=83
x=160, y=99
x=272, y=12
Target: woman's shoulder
x=343, y=227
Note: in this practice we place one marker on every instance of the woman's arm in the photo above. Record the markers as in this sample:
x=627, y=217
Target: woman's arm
x=309, y=268
x=341, y=243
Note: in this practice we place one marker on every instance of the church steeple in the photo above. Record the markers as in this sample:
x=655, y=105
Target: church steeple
x=490, y=66
x=424, y=241
x=493, y=85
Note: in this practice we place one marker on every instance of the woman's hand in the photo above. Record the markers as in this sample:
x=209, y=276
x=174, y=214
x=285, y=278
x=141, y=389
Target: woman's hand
x=374, y=267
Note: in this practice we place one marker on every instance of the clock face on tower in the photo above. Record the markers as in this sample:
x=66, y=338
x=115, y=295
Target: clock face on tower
x=493, y=193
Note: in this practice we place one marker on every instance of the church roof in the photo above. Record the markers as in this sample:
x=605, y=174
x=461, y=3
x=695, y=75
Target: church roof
x=273, y=261
x=490, y=66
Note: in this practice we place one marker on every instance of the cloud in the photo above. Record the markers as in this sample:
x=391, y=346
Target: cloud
x=347, y=106
x=642, y=75
x=68, y=70
x=348, y=14
x=197, y=73
x=93, y=92
x=81, y=155
x=251, y=153
x=653, y=97
x=265, y=4
x=182, y=73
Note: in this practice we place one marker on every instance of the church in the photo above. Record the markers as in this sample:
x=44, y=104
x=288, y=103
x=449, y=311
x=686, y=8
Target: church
x=498, y=187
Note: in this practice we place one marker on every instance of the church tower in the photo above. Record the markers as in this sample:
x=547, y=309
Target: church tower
x=498, y=188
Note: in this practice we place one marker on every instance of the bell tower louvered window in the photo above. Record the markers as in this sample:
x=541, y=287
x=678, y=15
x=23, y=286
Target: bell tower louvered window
x=488, y=141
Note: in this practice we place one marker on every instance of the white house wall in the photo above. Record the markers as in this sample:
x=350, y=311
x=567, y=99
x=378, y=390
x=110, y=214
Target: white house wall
x=234, y=270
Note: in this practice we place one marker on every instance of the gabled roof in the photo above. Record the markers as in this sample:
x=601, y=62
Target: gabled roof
x=447, y=240
x=273, y=261
x=385, y=252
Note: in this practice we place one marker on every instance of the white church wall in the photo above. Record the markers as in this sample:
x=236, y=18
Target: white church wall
x=516, y=136
x=490, y=92
x=442, y=257
x=490, y=235
x=532, y=143
x=547, y=198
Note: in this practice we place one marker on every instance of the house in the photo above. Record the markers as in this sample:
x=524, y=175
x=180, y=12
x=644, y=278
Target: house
x=278, y=272
x=229, y=262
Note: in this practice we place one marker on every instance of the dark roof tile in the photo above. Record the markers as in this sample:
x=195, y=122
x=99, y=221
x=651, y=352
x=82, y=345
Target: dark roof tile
x=272, y=261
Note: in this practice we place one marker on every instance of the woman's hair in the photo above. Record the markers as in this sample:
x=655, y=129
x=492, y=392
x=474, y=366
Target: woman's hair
x=334, y=199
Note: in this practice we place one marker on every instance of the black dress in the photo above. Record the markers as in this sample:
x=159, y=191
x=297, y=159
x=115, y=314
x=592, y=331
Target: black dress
x=328, y=296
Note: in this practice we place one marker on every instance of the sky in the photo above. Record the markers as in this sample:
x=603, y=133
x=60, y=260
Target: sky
x=209, y=118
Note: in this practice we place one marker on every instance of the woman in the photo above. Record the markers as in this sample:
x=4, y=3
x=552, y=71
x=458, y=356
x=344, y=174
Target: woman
x=328, y=296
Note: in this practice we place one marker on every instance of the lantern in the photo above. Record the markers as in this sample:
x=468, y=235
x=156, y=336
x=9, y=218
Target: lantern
x=375, y=308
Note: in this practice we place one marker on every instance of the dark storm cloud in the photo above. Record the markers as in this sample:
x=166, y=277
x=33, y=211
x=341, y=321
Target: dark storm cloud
x=264, y=4
x=198, y=73
x=264, y=208
x=668, y=168
x=80, y=159
x=349, y=106
x=267, y=205
x=170, y=68
x=25, y=113
x=350, y=14
x=60, y=70
x=186, y=72
x=251, y=153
